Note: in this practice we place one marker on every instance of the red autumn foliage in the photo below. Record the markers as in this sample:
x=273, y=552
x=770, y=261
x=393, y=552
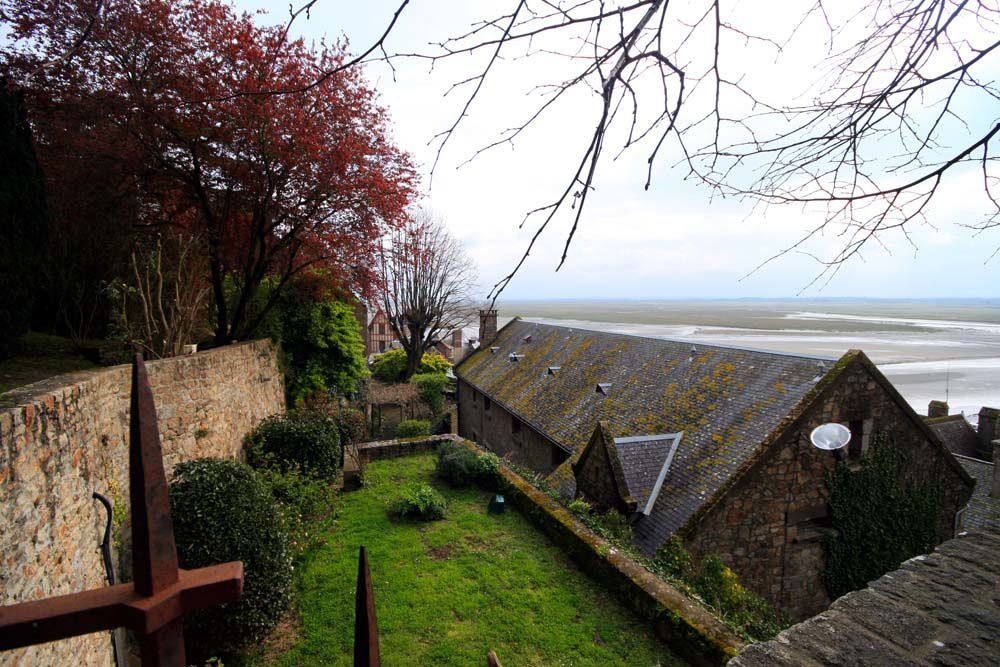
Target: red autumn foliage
x=275, y=184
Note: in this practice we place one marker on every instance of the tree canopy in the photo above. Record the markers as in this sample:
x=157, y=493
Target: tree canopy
x=275, y=184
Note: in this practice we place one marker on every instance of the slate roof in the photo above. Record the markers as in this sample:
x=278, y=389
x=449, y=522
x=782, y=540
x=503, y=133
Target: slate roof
x=956, y=433
x=982, y=510
x=642, y=460
x=726, y=401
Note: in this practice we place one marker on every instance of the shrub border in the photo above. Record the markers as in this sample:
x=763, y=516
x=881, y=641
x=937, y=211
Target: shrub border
x=685, y=626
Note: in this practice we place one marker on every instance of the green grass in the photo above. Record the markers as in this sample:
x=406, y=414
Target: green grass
x=447, y=592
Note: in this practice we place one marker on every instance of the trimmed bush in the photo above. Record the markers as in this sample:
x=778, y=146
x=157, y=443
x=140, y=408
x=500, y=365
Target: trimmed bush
x=307, y=439
x=421, y=503
x=413, y=428
x=431, y=387
x=222, y=511
x=457, y=465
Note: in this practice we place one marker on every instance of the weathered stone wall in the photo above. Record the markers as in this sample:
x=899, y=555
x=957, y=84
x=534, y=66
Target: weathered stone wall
x=63, y=438
x=494, y=428
x=594, y=479
x=768, y=527
x=939, y=609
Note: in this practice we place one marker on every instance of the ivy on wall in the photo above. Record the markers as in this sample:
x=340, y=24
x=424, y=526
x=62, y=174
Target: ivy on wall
x=878, y=520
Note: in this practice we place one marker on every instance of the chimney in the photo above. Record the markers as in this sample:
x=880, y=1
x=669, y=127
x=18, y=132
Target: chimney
x=456, y=338
x=937, y=409
x=487, y=326
x=987, y=432
x=995, y=488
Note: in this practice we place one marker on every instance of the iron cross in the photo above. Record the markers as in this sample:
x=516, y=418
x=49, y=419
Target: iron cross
x=154, y=604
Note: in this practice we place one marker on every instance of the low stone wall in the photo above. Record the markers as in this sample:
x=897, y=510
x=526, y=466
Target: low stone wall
x=63, y=438
x=390, y=449
x=685, y=626
x=939, y=609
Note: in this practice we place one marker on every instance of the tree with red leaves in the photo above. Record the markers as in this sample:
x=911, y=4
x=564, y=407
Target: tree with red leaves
x=275, y=184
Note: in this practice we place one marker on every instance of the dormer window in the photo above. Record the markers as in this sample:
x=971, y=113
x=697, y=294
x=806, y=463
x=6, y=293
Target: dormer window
x=527, y=339
x=493, y=350
x=514, y=357
x=603, y=388
x=553, y=370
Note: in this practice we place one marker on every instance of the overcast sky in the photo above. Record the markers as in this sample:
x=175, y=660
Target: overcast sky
x=672, y=241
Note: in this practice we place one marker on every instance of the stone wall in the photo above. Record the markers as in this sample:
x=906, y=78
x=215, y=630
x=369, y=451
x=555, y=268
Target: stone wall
x=487, y=423
x=63, y=438
x=768, y=528
x=939, y=609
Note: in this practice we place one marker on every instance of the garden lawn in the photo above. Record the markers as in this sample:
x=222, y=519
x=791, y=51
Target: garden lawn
x=446, y=592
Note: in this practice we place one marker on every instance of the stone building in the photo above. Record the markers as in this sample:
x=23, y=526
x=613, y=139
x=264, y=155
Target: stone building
x=978, y=451
x=380, y=338
x=704, y=442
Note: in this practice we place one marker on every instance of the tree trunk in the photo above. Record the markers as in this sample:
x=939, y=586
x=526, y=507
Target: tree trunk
x=413, y=357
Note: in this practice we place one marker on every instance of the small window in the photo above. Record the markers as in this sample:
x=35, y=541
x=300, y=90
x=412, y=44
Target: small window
x=515, y=425
x=861, y=431
x=473, y=398
x=487, y=403
x=475, y=437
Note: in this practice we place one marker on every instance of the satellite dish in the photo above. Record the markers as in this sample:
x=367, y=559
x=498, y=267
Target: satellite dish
x=830, y=437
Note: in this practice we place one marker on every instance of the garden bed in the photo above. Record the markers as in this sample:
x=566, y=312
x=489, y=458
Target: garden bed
x=446, y=592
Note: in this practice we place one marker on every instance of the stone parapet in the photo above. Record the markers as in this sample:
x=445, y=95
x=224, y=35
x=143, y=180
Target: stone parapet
x=63, y=438
x=938, y=609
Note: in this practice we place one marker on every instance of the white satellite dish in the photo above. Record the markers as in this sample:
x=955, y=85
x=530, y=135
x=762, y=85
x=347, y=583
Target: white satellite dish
x=830, y=436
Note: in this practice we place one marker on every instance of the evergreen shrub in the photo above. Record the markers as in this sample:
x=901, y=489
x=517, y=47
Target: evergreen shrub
x=413, y=428
x=457, y=465
x=222, y=511
x=461, y=467
x=308, y=439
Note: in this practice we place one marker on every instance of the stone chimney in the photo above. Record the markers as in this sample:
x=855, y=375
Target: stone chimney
x=987, y=432
x=937, y=409
x=995, y=488
x=456, y=338
x=487, y=326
